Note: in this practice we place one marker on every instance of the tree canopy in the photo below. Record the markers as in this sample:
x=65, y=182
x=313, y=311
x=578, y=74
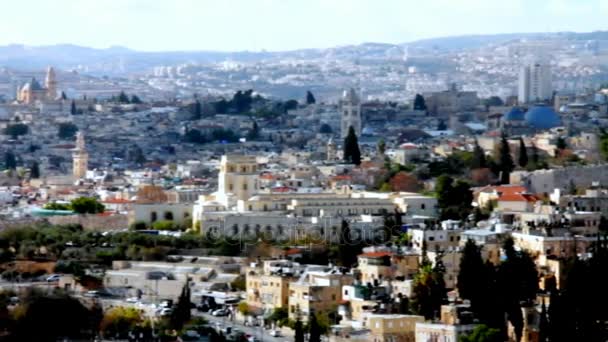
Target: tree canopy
x=352, y=154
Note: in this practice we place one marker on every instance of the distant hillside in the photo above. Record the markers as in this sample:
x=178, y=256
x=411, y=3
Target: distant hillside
x=476, y=41
x=120, y=60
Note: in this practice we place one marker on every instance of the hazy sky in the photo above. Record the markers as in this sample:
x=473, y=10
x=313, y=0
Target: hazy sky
x=157, y=25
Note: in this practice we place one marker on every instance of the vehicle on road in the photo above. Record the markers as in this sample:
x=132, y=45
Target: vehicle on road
x=275, y=333
x=220, y=312
x=164, y=312
x=53, y=278
x=132, y=300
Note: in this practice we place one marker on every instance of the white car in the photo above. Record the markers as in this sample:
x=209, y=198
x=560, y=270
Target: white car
x=166, y=312
x=274, y=333
x=220, y=312
x=132, y=300
x=53, y=278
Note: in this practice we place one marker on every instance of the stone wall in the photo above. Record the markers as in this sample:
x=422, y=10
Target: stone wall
x=93, y=222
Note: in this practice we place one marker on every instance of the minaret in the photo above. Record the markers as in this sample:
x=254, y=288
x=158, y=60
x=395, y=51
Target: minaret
x=80, y=157
x=51, y=84
x=331, y=150
x=350, y=107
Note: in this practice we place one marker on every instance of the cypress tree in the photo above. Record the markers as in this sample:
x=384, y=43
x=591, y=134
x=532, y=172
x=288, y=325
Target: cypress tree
x=472, y=267
x=505, y=161
x=523, y=154
x=419, y=102
x=543, y=325
x=299, y=331
x=479, y=157
x=310, y=98
x=352, y=154
x=10, y=161
x=35, y=170
x=73, y=110
x=314, y=330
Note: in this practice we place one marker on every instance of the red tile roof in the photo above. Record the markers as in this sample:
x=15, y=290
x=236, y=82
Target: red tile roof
x=375, y=254
x=518, y=197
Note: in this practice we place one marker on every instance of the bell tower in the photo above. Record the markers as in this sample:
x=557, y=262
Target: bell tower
x=80, y=157
x=350, y=108
x=50, y=83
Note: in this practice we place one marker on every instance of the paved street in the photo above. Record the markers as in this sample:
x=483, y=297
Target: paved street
x=255, y=331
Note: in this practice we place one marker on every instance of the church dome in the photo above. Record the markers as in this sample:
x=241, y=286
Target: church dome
x=514, y=114
x=542, y=117
x=32, y=85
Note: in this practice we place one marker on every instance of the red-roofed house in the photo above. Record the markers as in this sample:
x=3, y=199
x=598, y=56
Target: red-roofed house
x=521, y=202
x=483, y=195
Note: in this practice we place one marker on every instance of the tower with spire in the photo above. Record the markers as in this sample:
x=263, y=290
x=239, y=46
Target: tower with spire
x=50, y=82
x=80, y=157
x=350, y=108
x=331, y=150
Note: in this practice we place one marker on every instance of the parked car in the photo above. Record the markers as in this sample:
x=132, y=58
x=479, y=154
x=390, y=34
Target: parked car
x=164, y=312
x=220, y=312
x=274, y=333
x=132, y=300
x=53, y=278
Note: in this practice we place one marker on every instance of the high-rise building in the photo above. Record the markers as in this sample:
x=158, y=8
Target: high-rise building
x=350, y=107
x=534, y=83
x=80, y=157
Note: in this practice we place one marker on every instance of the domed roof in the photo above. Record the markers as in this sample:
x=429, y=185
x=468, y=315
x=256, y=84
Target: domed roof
x=514, y=114
x=32, y=85
x=542, y=117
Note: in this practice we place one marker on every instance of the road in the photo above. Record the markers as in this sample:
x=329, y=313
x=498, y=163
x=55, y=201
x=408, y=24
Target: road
x=254, y=331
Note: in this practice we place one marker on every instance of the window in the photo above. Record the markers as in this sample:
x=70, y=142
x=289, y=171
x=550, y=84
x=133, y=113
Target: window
x=422, y=206
x=245, y=186
x=230, y=187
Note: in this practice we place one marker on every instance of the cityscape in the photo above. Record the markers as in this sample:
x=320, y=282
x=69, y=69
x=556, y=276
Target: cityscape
x=398, y=186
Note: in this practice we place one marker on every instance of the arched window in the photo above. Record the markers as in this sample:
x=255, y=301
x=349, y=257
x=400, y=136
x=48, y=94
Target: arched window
x=153, y=216
x=168, y=216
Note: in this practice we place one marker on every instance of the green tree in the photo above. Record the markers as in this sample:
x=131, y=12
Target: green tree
x=298, y=331
x=441, y=126
x=471, y=268
x=314, y=330
x=67, y=130
x=135, y=99
x=381, y=147
x=482, y=333
x=429, y=291
x=523, y=154
x=35, y=170
x=123, y=98
x=64, y=96
x=254, y=133
x=325, y=129
x=479, y=157
x=352, y=154
x=561, y=144
x=197, y=111
x=453, y=197
x=73, y=109
x=310, y=98
x=55, y=316
x=10, y=161
x=419, y=102
x=505, y=161
x=16, y=130
x=182, y=312
x=86, y=205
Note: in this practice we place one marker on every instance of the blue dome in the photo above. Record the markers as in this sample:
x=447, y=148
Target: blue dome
x=542, y=117
x=515, y=114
